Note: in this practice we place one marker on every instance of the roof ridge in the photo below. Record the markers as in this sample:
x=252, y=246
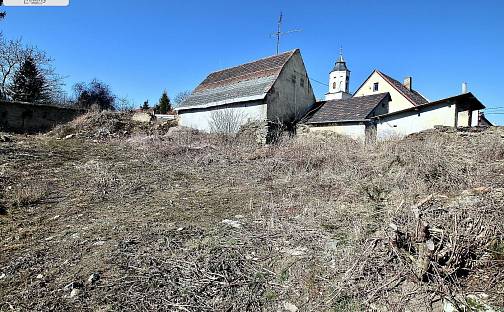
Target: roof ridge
x=351, y=109
x=257, y=60
x=391, y=80
x=357, y=97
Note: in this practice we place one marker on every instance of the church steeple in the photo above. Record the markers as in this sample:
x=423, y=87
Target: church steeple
x=340, y=63
x=339, y=80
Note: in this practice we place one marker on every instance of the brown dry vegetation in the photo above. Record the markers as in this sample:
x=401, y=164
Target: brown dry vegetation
x=321, y=223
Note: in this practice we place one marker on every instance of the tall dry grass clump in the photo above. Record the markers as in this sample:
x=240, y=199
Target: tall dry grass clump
x=390, y=225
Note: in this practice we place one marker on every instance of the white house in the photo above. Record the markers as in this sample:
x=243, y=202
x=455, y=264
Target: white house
x=275, y=89
x=383, y=107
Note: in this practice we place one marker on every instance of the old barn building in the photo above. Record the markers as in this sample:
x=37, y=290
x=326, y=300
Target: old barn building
x=272, y=90
x=383, y=107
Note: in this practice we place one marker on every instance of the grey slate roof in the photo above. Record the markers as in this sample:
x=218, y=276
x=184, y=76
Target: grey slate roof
x=340, y=65
x=246, y=82
x=352, y=109
x=415, y=97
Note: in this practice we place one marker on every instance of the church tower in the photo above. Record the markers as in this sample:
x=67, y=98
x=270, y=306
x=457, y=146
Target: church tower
x=339, y=81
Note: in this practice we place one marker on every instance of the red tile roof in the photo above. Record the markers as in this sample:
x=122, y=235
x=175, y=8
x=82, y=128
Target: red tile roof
x=250, y=81
x=261, y=68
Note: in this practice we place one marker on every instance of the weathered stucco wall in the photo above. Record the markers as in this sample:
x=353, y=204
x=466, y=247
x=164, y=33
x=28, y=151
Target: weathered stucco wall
x=398, y=102
x=402, y=124
x=355, y=131
x=475, y=118
x=201, y=119
x=463, y=119
x=292, y=93
x=467, y=118
x=26, y=117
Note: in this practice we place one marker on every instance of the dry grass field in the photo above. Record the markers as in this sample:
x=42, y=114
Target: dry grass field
x=115, y=219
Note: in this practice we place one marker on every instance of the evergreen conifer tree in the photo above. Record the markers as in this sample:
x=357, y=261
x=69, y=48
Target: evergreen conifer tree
x=145, y=105
x=29, y=84
x=164, y=103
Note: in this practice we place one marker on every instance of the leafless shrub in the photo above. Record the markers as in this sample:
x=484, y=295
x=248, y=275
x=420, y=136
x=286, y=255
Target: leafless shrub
x=226, y=121
x=101, y=179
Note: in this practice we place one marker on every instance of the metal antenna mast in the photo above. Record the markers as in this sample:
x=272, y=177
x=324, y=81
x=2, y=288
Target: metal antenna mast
x=279, y=33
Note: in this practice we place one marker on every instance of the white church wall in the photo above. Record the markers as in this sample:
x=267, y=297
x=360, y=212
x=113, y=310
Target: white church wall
x=337, y=96
x=337, y=81
x=201, y=118
x=402, y=124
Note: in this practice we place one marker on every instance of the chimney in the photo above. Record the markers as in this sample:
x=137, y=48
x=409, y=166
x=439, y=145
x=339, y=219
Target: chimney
x=408, y=81
x=464, y=87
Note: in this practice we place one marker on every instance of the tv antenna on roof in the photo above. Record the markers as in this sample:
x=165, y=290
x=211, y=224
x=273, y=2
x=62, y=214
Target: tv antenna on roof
x=278, y=34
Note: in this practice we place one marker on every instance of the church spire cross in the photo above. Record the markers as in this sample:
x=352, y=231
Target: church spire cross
x=341, y=59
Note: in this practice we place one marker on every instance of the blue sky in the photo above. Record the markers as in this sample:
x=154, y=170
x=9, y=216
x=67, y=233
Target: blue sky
x=142, y=47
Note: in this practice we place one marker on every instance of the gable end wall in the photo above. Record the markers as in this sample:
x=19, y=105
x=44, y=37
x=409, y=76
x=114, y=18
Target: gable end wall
x=398, y=102
x=288, y=100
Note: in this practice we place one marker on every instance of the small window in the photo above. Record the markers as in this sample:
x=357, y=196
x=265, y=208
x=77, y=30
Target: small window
x=293, y=77
x=301, y=82
x=375, y=87
x=334, y=85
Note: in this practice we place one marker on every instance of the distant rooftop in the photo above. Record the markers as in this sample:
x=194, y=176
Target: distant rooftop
x=351, y=109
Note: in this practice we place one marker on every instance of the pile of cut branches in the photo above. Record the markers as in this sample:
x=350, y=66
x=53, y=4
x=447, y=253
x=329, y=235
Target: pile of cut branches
x=440, y=249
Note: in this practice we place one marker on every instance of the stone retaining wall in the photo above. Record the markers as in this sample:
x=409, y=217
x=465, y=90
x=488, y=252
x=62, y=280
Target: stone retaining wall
x=27, y=117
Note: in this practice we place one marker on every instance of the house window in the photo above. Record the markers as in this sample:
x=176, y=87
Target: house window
x=334, y=85
x=301, y=82
x=375, y=87
x=293, y=77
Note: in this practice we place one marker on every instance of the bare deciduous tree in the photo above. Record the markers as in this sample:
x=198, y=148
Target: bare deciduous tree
x=13, y=54
x=124, y=104
x=181, y=97
x=2, y=13
x=226, y=121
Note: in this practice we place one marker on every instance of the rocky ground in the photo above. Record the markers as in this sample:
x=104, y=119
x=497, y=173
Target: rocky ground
x=180, y=221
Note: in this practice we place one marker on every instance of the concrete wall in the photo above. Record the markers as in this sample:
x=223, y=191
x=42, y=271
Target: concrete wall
x=353, y=130
x=402, y=124
x=467, y=118
x=201, y=118
x=463, y=119
x=475, y=118
x=26, y=117
x=399, y=102
x=292, y=93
